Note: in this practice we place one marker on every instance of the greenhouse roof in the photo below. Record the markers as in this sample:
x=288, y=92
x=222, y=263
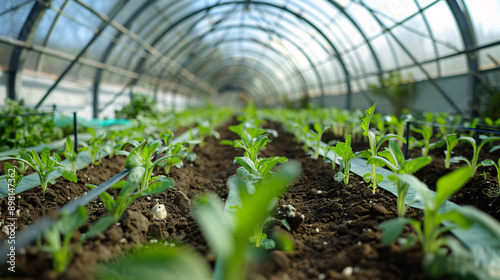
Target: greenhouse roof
x=272, y=50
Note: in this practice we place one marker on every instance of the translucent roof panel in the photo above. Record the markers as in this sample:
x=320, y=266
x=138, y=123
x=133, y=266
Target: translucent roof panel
x=265, y=48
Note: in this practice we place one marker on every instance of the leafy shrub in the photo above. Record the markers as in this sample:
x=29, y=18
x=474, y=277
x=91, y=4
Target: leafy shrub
x=140, y=105
x=26, y=131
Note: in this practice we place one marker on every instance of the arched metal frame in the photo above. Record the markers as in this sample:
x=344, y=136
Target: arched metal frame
x=192, y=67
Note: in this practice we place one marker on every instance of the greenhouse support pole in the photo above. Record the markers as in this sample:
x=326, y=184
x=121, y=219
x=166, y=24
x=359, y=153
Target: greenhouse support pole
x=103, y=26
x=19, y=54
x=75, y=132
x=469, y=39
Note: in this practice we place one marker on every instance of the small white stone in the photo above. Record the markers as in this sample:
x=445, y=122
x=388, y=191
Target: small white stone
x=321, y=276
x=123, y=240
x=348, y=271
x=153, y=241
x=69, y=198
x=159, y=211
x=317, y=230
x=149, y=198
x=303, y=217
x=325, y=243
x=18, y=213
x=118, y=223
x=359, y=242
x=18, y=197
x=172, y=244
x=319, y=192
x=100, y=203
x=84, y=193
x=5, y=230
x=88, y=179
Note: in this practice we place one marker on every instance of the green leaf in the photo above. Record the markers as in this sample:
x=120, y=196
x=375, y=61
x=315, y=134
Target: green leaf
x=487, y=223
x=208, y=212
x=100, y=226
x=247, y=163
x=68, y=223
x=226, y=142
x=70, y=176
x=392, y=229
x=488, y=162
x=318, y=127
x=450, y=183
x=456, y=217
x=135, y=157
x=365, y=123
x=413, y=165
x=162, y=184
x=69, y=145
x=156, y=263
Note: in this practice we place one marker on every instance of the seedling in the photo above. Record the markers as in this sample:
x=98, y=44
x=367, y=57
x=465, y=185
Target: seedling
x=227, y=234
x=11, y=175
x=95, y=145
x=373, y=178
x=126, y=196
x=490, y=162
x=71, y=155
x=64, y=227
x=255, y=171
x=44, y=165
x=432, y=235
x=393, y=158
x=451, y=142
x=316, y=138
x=144, y=155
x=344, y=151
x=473, y=165
x=426, y=132
x=172, y=150
x=429, y=233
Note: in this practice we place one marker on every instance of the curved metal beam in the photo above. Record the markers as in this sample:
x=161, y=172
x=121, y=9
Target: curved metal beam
x=118, y=7
x=332, y=46
x=19, y=54
x=469, y=38
x=106, y=54
x=285, y=57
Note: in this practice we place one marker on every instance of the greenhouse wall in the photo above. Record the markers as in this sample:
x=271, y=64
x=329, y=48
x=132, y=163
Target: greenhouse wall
x=427, y=98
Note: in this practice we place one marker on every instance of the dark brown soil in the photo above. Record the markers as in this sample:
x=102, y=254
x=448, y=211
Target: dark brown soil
x=337, y=232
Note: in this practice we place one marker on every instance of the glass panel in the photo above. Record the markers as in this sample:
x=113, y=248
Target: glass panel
x=489, y=58
x=444, y=28
x=396, y=10
x=13, y=21
x=453, y=66
x=484, y=15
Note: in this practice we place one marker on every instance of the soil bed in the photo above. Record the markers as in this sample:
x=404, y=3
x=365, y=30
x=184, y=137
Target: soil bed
x=338, y=228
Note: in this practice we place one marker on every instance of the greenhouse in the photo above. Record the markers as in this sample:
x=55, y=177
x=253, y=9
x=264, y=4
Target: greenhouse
x=249, y=139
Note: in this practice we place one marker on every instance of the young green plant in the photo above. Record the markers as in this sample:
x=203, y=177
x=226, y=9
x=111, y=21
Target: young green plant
x=227, y=234
x=429, y=233
x=144, y=154
x=59, y=237
x=316, y=138
x=95, y=145
x=426, y=132
x=393, y=158
x=473, y=164
x=130, y=190
x=44, y=165
x=344, y=151
x=70, y=154
x=172, y=150
x=11, y=175
x=373, y=178
x=451, y=142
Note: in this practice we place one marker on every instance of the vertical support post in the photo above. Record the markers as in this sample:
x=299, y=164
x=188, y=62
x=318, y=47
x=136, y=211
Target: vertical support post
x=407, y=138
x=75, y=132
